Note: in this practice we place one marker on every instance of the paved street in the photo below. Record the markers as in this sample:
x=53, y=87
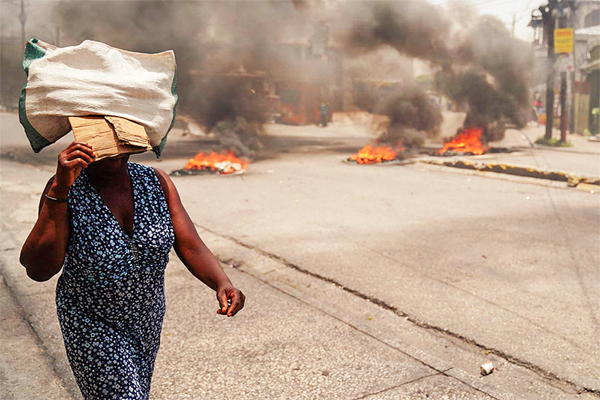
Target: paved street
x=377, y=282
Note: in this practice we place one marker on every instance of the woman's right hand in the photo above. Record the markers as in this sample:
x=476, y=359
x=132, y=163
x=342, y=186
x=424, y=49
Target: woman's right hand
x=43, y=253
x=70, y=163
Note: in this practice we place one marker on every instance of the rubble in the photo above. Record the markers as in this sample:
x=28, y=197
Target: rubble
x=487, y=368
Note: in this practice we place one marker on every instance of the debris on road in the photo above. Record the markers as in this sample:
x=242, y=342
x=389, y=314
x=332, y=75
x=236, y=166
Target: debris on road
x=487, y=368
x=570, y=179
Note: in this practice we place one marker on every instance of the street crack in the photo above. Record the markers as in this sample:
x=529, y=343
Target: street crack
x=443, y=373
x=548, y=375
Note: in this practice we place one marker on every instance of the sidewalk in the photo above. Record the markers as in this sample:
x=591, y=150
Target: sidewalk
x=26, y=370
x=547, y=158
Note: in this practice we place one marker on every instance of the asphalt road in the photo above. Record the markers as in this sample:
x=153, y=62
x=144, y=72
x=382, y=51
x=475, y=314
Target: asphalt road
x=345, y=263
x=513, y=267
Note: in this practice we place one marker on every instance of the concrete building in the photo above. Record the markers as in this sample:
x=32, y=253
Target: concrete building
x=587, y=67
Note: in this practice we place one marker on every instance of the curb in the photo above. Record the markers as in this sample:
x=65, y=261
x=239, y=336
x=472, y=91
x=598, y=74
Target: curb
x=571, y=180
x=25, y=356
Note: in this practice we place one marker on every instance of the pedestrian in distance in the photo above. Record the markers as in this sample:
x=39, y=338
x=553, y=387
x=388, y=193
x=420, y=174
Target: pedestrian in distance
x=538, y=108
x=324, y=109
x=110, y=225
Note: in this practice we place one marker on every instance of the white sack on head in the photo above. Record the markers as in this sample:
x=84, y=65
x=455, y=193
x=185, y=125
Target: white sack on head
x=96, y=79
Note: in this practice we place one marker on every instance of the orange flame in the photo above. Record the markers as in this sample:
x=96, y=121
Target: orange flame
x=372, y=155
x=226, y=163
x=467, y=141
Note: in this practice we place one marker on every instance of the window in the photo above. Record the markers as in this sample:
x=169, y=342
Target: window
x=592, y=19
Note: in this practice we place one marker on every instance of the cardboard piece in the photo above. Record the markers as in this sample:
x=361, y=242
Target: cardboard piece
x=110, y=136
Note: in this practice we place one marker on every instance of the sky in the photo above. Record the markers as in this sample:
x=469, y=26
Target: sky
x=503, y=9
x=506, y=10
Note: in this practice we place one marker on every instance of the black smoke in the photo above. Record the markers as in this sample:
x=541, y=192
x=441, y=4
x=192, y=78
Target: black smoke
x=479, y=63
x=228, y=50
x=412, y=117
x=222, y=48
x=415, y=29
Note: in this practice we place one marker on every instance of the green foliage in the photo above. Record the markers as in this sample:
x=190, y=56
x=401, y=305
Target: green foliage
x=552, y=142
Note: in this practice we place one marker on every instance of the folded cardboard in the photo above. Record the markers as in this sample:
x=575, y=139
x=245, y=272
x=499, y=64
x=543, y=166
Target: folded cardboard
x=110, y=136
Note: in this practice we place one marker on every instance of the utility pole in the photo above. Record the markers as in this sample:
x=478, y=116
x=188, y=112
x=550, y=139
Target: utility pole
x=23, y=19
x=563, y=107
x=574, y=24
x=564, y=44
x=562, y=23
x=549, y=25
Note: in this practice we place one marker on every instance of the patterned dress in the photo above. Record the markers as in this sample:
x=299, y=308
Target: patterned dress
x=110, y=295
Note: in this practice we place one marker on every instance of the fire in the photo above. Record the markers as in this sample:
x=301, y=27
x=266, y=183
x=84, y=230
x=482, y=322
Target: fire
x=372, y=155
x=221, y=163
x=467, y=141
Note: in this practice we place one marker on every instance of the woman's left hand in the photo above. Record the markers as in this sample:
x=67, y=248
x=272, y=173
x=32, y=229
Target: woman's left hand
x=196, y=256
x=231, y=300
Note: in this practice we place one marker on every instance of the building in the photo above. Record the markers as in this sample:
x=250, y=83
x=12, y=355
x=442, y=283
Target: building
x=582, y=66
x=587, y=68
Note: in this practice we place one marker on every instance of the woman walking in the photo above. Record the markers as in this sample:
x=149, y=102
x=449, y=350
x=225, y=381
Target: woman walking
x=110, y=225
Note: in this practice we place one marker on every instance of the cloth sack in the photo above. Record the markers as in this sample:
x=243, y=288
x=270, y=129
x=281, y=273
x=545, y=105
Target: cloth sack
x=94, y=78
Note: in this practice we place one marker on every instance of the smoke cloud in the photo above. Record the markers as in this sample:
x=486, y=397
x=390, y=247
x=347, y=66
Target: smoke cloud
x=413, y=28
x=222, y=48
x=479, y=64
x=494, y=81
x=412, y=116
x=232, y=54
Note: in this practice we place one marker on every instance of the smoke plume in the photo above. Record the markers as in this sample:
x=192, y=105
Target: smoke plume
x=413, y=28
x=493, y=81
x=412, y=116
x=479, y=64
x=231, y=56
x=222, y=48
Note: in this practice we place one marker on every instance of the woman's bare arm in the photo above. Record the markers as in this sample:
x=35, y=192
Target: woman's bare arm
x=192, y=251
x=43, y=253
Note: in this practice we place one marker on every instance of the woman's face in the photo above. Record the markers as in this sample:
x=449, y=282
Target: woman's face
x=109, y=166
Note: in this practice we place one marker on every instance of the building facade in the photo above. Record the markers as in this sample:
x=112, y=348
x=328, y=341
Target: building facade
x=581, y=67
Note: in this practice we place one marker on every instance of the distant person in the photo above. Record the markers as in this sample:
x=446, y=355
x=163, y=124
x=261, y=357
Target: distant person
x=110, y=226
x=538, y=107
x=324, y=114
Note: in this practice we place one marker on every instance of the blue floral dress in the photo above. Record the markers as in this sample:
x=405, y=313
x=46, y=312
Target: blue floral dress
x=110, y=295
